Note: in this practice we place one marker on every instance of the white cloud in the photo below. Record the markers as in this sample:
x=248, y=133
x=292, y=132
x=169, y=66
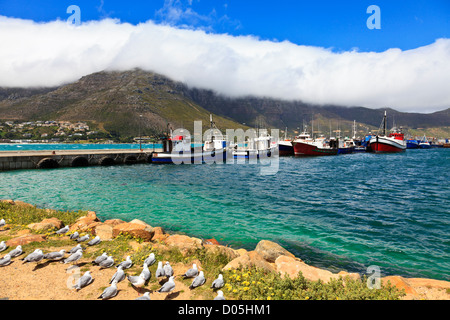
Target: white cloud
x=53, y=53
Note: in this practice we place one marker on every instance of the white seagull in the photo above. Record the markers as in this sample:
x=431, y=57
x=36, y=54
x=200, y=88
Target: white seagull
x=63, y=230
x=150, y=260
x=198, y=281
x=3, y=246
x=168, y=271
x=146, y=296
x=16, y=252
x=108, y=262
x=218, y=283
x=74, y=235
x=109, y=292
x=125, y=264
x=118, y=276
x=168, y=286
x=220, y=296
x=83, y=238
x=75, y=249
x=160, y=271
x=101, y=258
x=94, y=241
x=5, y=260
x=137, y=281
x=192, y=272
x=55, y=256
x=85, y=280
x=35, y=256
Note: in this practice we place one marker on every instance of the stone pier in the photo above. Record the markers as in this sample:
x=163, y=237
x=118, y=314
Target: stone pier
x=14, y=160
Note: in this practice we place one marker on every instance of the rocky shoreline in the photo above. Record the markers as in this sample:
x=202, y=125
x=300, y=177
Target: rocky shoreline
x=267, y=255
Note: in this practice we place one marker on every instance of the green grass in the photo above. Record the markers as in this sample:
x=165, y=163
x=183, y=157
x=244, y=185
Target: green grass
x=257, y=284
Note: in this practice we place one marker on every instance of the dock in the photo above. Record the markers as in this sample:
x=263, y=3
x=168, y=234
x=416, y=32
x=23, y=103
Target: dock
x=48, y=159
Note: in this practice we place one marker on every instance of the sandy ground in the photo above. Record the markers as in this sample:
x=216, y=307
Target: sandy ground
x=52, y=281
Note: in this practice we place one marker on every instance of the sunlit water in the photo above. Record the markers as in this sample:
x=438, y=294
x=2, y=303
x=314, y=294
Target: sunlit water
x=345, y=212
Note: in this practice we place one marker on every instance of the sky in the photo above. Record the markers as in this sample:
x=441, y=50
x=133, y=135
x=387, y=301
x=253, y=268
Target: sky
x=324, y=52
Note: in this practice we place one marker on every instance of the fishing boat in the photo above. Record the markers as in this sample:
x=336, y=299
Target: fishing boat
x=285, y=147
x=412, y=144
x=178, y=149
x=304, y=145
x=424, y=144
x=264, y=145
x=394, y=142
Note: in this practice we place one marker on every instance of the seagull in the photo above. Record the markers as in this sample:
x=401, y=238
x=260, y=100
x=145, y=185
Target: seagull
x=118, y=276
x=108, y=262
x=57, y=255
x=168, y=271
x=74, y=235
x=83, y=238
x=63, y=230
x=218, y=283
x=3, y=246
x=75, y=249
x=35, y=256
x=16, y=252
x=146, y=273
x=160, y=271
x=101, y=258
x=85, y=280
x=109, y=292
x=198, y=281
x=5, y=260
x=74, y=257
x=94, y=241
x=125, y=264
x=150, y=260
x=2, y=222
x=220, y=296
x=168, y=286
x=137, y=281
x=191, y=273
x=146, y=296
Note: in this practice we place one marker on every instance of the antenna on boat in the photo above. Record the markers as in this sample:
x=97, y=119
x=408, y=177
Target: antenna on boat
x=384, y=123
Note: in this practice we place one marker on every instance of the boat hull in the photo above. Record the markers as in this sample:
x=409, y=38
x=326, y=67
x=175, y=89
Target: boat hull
x=302, y=149
x=189, y=158
x=412, y=144
x=285, y=148
x=386, y=145
x=346, y=150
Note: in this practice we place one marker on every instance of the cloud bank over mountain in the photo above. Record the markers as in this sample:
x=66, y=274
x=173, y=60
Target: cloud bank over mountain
x=53, y=53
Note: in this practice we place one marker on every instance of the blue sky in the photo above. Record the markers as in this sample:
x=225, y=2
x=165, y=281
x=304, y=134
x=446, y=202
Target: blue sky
x=340, y=25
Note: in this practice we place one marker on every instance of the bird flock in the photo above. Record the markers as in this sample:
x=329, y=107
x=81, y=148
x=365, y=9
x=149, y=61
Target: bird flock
x=105, y=261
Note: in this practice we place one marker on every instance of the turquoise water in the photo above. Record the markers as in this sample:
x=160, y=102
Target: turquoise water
x=73, y=146
x=341, y=213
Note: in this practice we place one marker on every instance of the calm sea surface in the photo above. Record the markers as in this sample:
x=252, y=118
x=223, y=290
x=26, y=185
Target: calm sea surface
x=345, y=212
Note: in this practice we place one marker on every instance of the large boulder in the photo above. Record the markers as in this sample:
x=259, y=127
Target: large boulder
x=219, y=249
x=104, y=231
x=113, y=222
x=250, y=259
x=270, y=251
x=46, y=224
x=25, y=239
x=159, y=235
x=83, y=223
x=184, y=243
x=290, y=266
x=400, y=283
x=139, y=230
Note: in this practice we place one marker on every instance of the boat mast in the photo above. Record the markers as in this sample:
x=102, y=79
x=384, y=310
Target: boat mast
x=384, y=123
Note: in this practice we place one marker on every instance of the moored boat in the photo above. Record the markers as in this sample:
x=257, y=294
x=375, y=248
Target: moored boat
x=304, y=145
x=424, y=144
x=394, y=142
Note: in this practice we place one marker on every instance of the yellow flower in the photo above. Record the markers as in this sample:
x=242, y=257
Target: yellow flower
x=306, y=298
x=269, y=298
x=246, y=288
x=234, y=290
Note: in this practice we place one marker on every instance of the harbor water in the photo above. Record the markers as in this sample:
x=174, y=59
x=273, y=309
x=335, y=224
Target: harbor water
x=345, y=212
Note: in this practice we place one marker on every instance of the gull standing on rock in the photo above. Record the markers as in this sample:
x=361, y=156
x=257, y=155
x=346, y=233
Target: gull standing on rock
x=94, y=241
x=220, y=296
x=5, y=260
x=126, y=264
x=160, y=271
x=2, y=223
x=74, y=235
x=109, y=292
x=55, y=256
x=118, y=276
x=198, y=281
x=101, y=258
x=150, y=260
x=16, y=252
x=168, y=286
x=168, y=271
x=3, y=246
x=218, y=283
x=191, y=273
x=146, y=296
x=107, y=263
x=85, y=280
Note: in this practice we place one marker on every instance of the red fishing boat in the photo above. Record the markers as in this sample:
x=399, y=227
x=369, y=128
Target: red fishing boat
x=394, y=142
x=304, y=145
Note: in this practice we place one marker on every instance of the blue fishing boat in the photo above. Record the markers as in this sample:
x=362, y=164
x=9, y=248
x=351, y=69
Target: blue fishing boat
x=412, y=144
x=424, y=144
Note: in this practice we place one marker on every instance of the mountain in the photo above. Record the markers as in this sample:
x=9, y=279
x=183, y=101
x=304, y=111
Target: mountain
x=114, y=101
